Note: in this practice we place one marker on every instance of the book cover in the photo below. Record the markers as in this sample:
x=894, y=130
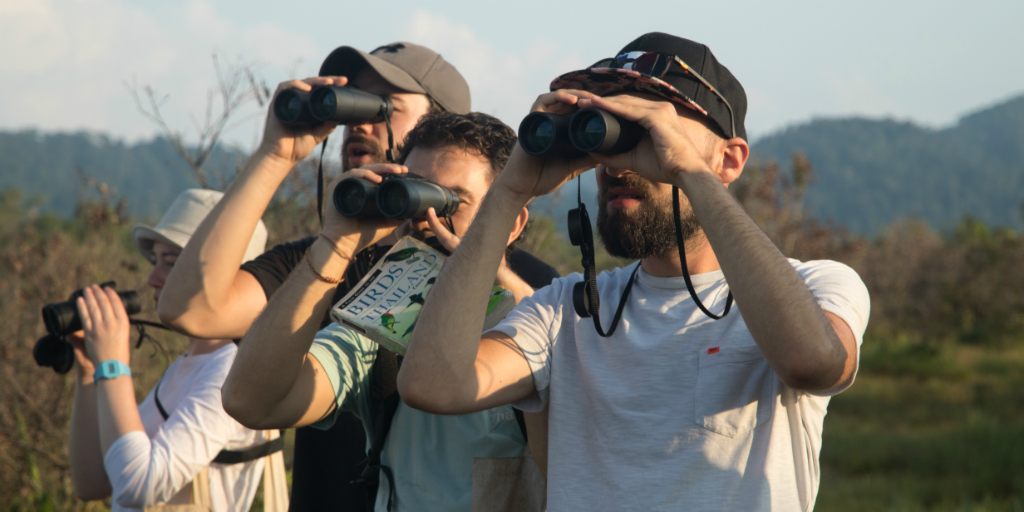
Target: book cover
x=385, y=304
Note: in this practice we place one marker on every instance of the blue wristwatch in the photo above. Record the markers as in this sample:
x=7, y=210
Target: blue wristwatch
x=111, y=369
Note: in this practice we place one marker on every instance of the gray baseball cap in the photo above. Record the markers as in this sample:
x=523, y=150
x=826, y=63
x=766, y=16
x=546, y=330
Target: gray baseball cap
x=409, y=67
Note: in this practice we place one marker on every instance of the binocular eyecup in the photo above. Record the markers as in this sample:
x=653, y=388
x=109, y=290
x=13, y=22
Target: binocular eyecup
x=589, y=130
x=61, y=319
x=399, y=196
x=346, y=105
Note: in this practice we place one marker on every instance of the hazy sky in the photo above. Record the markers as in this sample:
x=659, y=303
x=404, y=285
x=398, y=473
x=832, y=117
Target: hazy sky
x=64, y=64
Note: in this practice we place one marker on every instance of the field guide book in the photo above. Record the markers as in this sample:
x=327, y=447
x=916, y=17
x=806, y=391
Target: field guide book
x=385, y=304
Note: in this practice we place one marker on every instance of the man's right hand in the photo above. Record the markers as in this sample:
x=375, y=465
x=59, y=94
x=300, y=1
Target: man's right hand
x=352, y=235
x=291, y=143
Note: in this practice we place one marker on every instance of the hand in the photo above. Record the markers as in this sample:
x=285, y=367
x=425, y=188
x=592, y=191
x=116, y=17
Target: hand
x=530, y=176
x=83, y=365
x=350, y=234
x=666, y=152
x=105, y=324
x=448, y=239
x=295, y=142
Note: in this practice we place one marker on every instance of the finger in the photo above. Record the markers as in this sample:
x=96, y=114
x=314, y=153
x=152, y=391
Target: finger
x=323, y=130
x=634, y=109
x=374, y=172
x=105, y=307
x=339, y=81
x=116, y=305
x=559, y=101
x=447, y=238
x=83, y=313
x=293, y=84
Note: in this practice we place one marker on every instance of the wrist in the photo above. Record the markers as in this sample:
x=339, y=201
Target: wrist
x=267, y=159
x=348, y=245
x=111, y=369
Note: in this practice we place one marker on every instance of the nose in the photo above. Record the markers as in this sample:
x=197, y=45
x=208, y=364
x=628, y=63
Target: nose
x=157, y=278
x=612, y=171
x=362, y=128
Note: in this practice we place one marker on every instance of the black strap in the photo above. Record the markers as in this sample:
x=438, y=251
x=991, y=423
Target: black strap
x=686, y=271
x=250, y=454
x=522, y=423
x=230, y=456
x=320, y=183
x=384, y=402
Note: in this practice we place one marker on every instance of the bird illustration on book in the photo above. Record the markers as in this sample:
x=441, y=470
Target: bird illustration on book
x=388, y=321
x=403, y=254
x=411, y=327
x=416, y=299
x=431, y=281
x=496, y=295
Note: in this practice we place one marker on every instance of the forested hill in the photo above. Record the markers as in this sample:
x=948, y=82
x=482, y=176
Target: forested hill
x=149, y=175
x=872, y=172
x=869, y=172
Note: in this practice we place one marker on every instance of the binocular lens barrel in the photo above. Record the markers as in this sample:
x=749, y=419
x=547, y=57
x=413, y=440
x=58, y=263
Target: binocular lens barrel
x=545, y=134
x=62, y=318
x=292, y=107
x=410, y=197
x=347, y=105
x=400, y=196
x=356, y=197
x=589, y=130
x=54, y=352
x=593, y=130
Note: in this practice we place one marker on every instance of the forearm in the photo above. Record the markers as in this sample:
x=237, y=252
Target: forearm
x=511, y=281
x=443, y=349
x=271, y=357
x=783, y=316
x=84, y=453
x=117, y=411
x=199, y=289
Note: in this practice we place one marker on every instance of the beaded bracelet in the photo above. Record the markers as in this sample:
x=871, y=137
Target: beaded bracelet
x=335, y=247
x=318, y=274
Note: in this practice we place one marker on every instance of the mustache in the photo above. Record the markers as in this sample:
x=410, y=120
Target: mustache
x=628, y=180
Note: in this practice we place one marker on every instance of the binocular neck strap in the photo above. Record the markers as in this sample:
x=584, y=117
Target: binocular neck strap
x=320, y=183
x=686, y=271
x=390, y=153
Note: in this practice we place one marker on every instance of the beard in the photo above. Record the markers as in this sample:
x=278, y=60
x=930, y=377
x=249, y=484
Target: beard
x=376, y=150
x=646, y=230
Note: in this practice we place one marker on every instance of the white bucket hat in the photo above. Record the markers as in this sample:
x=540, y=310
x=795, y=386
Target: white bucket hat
x=183, y=218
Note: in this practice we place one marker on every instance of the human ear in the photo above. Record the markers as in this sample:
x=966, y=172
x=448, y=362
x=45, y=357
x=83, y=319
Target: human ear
x=734, y=157
x=519, y=226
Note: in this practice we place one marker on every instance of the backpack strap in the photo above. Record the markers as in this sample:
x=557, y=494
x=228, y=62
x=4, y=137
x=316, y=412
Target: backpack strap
x=384, y=402
x=231, y=456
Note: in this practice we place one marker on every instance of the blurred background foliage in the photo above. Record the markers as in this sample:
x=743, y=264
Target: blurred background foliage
x=932, y=423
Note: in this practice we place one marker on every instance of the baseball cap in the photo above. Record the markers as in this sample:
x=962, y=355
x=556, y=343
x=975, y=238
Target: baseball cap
x=407, y=66
x=676, y=85
x=181, y=221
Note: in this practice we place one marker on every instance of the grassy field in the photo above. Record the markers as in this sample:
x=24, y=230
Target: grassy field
x=926, y=428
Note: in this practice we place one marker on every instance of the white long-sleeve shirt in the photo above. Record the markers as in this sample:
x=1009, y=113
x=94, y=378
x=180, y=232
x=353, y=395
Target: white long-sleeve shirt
x=157, y=466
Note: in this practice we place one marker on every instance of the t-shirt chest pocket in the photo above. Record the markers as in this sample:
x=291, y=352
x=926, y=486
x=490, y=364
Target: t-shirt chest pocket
x=735, y=390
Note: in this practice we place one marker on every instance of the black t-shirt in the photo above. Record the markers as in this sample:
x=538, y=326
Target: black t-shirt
x=326, y=461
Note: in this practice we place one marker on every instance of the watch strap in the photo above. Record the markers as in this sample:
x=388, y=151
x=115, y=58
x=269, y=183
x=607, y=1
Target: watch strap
x=111, y=369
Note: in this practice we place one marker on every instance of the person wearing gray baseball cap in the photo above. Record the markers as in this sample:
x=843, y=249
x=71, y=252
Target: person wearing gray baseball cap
x=211, y=296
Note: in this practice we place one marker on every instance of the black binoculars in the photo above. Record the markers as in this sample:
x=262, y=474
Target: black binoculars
x=588, y=130
x=399, y=196
x=61, y=319
x=346, y=105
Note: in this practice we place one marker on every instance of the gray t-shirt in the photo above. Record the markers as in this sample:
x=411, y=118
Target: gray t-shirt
x=675, y=411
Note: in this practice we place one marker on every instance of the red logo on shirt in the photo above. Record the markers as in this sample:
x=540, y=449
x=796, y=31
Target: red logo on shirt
x=713, y=350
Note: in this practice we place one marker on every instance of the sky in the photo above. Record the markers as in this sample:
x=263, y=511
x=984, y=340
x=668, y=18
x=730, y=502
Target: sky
x=71, y=64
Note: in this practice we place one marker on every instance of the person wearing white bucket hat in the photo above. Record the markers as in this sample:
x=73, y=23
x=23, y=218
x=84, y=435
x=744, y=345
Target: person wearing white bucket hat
x=178, y=449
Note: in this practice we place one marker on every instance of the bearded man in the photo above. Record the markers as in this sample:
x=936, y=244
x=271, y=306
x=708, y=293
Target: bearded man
x=689, y=404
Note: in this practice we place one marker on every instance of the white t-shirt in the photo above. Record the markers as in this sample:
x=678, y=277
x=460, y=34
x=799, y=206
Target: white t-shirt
x=159, y=465
x=675, y=411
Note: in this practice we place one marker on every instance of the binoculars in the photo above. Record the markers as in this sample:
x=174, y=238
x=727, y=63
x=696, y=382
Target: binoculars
x=399, y=196
x=346, y=105
x=61, y=319
x=588, y=130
